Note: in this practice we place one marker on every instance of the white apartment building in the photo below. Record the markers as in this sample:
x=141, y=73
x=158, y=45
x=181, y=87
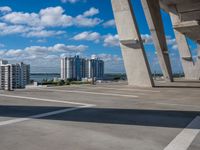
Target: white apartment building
x=13, y=76
x=77, y=68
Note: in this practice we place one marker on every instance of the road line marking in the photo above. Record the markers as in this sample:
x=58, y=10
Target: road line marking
x=46, y=100
x=8, y=122
x=122, y=89
x=94, y=93
x=125, y=89
x=184, y=139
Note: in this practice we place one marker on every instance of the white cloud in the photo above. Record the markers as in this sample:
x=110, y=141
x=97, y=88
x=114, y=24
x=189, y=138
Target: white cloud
x=88, y=36
x=171, y=42
x=109, y=23
x=36, y=52
x=49, y=17
x=67, y=48
x=113, y=63
x=54, y=16
x=147, y=39
x=175, y=47
x=39, y=24
x=41, y=40
x=43, y=33
x=109, y=57
x=21, y=18
x=85, y=19
x=111, y=40
x=52, y=57
x=27, y=31
x=5, y=9
x=14, y=53
x=2, y=52
x=70, y=1
x=12, y=29
x=91, y=12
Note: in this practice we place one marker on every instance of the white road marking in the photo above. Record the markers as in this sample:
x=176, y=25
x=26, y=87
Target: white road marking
x=128, y=89
x=46, y=100
x=93, y=93
x=8, y=122
x=118, y=88
x=184, y=139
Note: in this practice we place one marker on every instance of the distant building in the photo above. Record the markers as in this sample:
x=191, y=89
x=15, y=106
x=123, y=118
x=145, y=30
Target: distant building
x=77, y=68
x=13, y=76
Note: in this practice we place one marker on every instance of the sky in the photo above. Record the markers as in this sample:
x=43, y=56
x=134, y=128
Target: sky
x=40, y=32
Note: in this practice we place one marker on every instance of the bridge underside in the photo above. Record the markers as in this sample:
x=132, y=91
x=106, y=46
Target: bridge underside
x=188, y=12
x=185, y=16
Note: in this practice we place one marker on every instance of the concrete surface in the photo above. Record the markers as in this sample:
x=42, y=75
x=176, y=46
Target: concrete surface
x=189, y=13
x=135, y=59
x=190, y=68
x=154, y=19
x=115, y=116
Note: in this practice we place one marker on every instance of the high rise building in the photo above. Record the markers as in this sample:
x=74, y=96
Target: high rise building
x=72, y=68
x=77, y=68
x=13, y=76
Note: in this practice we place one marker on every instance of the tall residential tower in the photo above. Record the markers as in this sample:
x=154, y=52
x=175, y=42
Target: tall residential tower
x=77, y=68
x=13, y=76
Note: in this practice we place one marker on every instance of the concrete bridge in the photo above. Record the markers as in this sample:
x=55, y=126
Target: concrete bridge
x=185, y=16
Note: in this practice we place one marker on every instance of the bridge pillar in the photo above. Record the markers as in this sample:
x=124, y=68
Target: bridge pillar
x=197, y=64
x=135, y=59
x=154, y=20
x=190, y=68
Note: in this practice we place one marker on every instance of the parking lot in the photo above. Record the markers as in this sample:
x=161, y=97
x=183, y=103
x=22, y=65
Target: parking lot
x=101, y=117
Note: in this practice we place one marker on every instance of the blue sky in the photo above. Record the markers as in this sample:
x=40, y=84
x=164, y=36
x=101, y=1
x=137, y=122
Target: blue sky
x=39, y=32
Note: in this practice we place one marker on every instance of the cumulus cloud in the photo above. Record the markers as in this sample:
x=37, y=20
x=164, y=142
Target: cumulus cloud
x=111, y=40
x=108, y=40
x=40, y=24
x=69, y=1
x=175, y=47
x=43, y=33
x=91, y=12
x=113, y=63
x=147, y=39
x=35, y=52
x=5, y=9
x=109, y=23
x=88, y=36
x=171, y=42
x=11, y=29
x=109, y=57
x=27, y=31
x=53, y=17
x=86, y=20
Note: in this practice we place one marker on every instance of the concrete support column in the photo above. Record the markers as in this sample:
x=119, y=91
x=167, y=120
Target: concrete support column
x=154, y=19
x=189, y=68
x=197, y=65
x=135, y=59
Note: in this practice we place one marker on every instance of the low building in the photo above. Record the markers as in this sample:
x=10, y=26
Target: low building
x=13, y=76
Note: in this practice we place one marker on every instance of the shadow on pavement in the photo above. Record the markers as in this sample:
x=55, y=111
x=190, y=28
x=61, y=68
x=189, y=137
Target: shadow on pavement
x=140, y=117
